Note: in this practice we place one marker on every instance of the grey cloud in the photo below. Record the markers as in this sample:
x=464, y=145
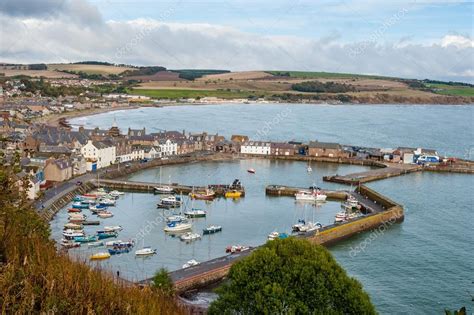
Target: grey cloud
x=148, y=42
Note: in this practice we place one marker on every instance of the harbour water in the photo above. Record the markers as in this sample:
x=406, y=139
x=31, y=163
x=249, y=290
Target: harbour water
x=423, y=265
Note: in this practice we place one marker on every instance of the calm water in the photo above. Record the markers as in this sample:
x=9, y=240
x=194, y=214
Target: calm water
x=423, y=265
x=449, y=129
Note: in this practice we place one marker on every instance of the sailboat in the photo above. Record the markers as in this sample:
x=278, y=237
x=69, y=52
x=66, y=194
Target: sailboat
x=163, y=189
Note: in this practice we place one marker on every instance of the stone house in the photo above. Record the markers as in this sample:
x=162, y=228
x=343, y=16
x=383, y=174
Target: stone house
x=283, y=148
x=57, y=170
x=326, y=149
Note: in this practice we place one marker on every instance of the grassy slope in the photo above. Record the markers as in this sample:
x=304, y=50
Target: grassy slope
x=326, y=75
x=89, y=69
x=457, y=90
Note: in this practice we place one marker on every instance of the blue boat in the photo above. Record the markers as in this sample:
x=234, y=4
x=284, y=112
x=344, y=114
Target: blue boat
x=85, y=239
x=101, y=236
x=79, y=205
x=78, y=198
x=118, y=250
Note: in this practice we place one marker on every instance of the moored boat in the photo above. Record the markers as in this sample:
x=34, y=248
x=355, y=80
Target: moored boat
x=90, y=222
x=118, y=250
x=314, y=195
x=190, y=263
x=104, y=235
x=189, y=236
x=145, y=251
x=116, y=193
x=85, y=239
x=195, y=213
x=163, y=190
x=70, y=233
x=96, y=244
x=72, y=226
x=176, y=218
x=251, y=171
x=79, y=205
x=233, y=194
x=114, y=228
x=236, y=249
x=209, y=194
x=177, y=227
x=99, y=256
x=69, y=243
x=105, y=214
x=212, y=229
x=74, y=210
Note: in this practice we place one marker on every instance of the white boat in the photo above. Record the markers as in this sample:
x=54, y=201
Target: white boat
x=236, y=249
x=77, y=216
x=145, y=251
x=116, y=193
x=212, y=229
x=251, y=171
x=96, y=244
x=310, y=227
x=163, y=190
x=177, y=227
x=273, y=235
x=105, y=214
x=113, y=243
x=195, y=213
x=176, y=218
x=315, y=195
x=113, y=228
x=191, y=263
x=351, y=202
x=107, y=202
x=189, y=236
x=72, y=226
x=170, y=200
x=341, y=217
x=73, y=233
x=309, y=169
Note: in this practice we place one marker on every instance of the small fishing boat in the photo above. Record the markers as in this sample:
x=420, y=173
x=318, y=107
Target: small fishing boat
x=74, y=210
x=195, y=213
x=310, y=227
x=90, y=222
x=78, y=198
x=273, y=235
x=118, y=250
x=145, y=251
x=171, y=200
x=114, y=228
x=190, y=263
x=233, y=194
x=99, y=256
x=116, y=193
x=106, y=202
x=77, y=221
x=77, y=216
x=212, y=229
x=119, y=243
x=97, y=208
x=105, y=235
x=89, y=196
x=251, y=171
x=79, y=205
x=85, y=239
x=163, y=190
x=341, y=217
x=105, y=214
x=314, y=195
x=209, y=194
x=96, y=244
x=69, y=233
x=176, y=218
x=69, y=244
x=177, y=227
x=72, y=226
x=88, y=201
x=296, y=227
x=189, y=236
x=236, y=249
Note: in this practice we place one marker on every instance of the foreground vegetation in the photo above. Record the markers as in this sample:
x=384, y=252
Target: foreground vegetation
x=34, y=278
x=291, y=276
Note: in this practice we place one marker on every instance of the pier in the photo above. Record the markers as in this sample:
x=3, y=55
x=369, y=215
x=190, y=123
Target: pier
x=390, y=170
x=147, y=187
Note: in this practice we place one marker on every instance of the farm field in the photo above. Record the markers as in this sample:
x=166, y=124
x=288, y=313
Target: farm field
x=456, y=90
x=88, y=68
x=50, y=74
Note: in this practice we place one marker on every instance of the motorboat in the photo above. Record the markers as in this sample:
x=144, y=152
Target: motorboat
x=103, y=235
x=341, y=217
x=69, y=233
x=177, y=227
x=236, y=249
x=161, y=205
x=79, y=205
x=72, y=226
x=99, y=256
x=78, y=198
x=114, y=228
x=116, y=193
x=233, y=194
x=90, y=222
x=273, y=235
x=119, y=243
x=88, y=201
x=314, y=195
x=106, y=202
x=176, y=218
x=189, y=236
x=77, y=216
x=310, y=227
x=145, y=251
x=251, y=171
x=105, y=214
x=69, y=244
x=96, y=244
x=352, y=202
x=212, y=229
x=195, y=213
x=190, y=263
x=163, y=190
x=97, y=208
x=85, y=239
x=296, y=227
x=118, y=250
x=74, y=210
x=171, y=200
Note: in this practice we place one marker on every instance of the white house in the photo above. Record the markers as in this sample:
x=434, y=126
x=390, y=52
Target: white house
x=256, y=147
x=152, y=152
x=167, y=147
x=102, y=152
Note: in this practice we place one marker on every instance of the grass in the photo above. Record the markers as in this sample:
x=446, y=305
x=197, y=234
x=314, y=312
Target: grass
x=327, y=75
x=455, y=90
x=182, y=93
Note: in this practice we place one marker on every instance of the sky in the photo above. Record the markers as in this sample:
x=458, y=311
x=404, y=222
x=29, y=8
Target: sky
x=414, y=39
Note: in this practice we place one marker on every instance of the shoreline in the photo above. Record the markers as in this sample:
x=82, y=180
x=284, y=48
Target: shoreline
x=53, y=119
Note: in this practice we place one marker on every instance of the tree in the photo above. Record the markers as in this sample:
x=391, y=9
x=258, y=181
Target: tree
x=163, y=282
x=290, y=276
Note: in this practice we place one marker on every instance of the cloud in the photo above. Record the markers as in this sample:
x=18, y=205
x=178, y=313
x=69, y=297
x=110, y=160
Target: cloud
x=68, y=36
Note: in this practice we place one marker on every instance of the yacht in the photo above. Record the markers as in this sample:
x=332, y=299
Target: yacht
x=163, y=190
x=189, y=236
x=177, y=227
x=195, y=213
x=145, y=251
x=314, y=195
